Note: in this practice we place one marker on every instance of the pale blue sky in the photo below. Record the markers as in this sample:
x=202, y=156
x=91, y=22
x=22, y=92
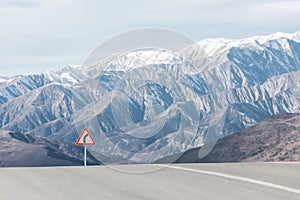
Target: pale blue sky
x=40, y=35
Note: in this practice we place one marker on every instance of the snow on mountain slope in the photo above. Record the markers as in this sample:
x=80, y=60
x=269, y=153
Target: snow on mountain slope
x=217, y=46
x=256, y=77
x=50, y=105
x=144, y=57
x=216, y=50
x=249, y=105
x=3, y=79
x=13, y=87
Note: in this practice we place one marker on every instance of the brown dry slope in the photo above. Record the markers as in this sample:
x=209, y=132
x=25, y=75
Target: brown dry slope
x=18, y=150
x=274, y=139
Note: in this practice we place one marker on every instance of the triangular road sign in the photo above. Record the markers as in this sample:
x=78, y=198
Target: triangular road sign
x=85, y=138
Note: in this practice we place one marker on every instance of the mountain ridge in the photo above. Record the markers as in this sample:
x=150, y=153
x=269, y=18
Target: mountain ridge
x=255, y=80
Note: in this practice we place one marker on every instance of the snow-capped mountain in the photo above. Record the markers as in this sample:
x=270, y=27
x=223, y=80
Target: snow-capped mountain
x=150, y=103
x=3, y=79
x=13, y=87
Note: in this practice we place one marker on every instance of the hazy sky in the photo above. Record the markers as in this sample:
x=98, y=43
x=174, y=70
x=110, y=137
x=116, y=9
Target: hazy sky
x=40, y=35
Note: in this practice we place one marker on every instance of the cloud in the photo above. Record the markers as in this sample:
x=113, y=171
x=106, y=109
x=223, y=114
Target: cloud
x=272, y=15
x=67, y=30
x=278, y=8
x=55, y=3
x=19, y=4
x=34, y=3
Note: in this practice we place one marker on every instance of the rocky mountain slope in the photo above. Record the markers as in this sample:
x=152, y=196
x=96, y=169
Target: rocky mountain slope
x=273, y=139
x=243, y=81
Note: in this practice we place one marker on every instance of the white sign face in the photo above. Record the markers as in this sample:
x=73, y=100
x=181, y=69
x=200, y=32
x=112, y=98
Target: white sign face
x=85, y=138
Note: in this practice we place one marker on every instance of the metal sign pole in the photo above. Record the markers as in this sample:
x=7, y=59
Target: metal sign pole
x=85, y=156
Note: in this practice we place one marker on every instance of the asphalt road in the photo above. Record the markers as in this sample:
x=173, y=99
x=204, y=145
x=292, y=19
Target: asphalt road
x=186, y=181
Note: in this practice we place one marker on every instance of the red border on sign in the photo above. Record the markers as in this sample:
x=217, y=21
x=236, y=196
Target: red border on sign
x=81, y=135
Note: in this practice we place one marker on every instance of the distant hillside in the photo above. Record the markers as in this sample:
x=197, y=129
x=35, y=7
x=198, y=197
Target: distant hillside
x=273, y=139
x=18, y=150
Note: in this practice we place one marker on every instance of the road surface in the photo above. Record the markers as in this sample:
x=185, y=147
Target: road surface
x=181, y=181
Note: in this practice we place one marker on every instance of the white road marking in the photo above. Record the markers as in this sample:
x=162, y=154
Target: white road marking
x=249, y=180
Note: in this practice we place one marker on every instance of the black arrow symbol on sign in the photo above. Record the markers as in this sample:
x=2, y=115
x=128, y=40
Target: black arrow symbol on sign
x=84, y=138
